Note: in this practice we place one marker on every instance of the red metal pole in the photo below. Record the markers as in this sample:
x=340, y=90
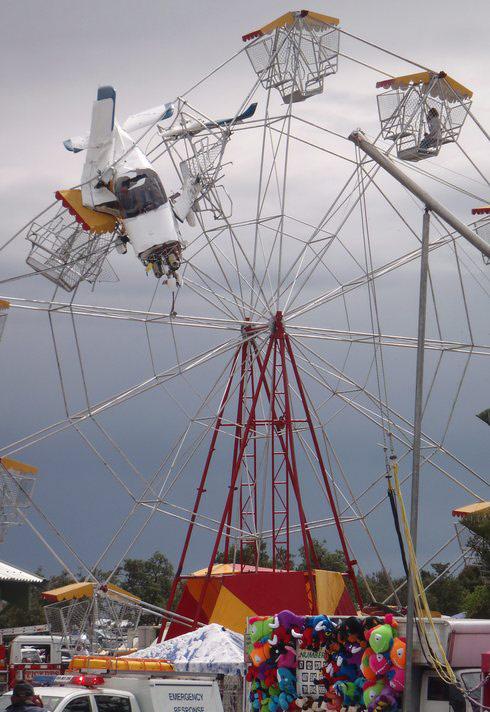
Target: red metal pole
x=290, y=443
x=200, y=490
x=288, y=464
x=246, y=433
x=238, y=432
x=248, y=484
x=331, y=500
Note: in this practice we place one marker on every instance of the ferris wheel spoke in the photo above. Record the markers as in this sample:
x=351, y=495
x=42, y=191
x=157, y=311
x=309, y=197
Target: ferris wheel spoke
x=362, y=280
x=398, y=434
x=407, y=425
x=334, y=208
x=208, y=280
x=389, y=340
x=121, y=397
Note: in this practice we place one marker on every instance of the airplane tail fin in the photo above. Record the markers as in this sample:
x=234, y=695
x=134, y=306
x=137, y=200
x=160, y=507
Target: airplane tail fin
x=103, y=112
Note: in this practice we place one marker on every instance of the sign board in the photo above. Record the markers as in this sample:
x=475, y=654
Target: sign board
x=186, y=696
x=310, y=663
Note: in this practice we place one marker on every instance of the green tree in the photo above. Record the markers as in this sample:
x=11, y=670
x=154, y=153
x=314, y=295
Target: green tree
x=447, y=593
x=477, y=602
x=328, y=560
x=251, y=554
x=150, y=579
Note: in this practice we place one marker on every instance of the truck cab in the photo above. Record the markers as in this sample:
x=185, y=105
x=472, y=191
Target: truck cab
x=26, y=652
x=437, y=696
x=169, y=692
x=80, y=699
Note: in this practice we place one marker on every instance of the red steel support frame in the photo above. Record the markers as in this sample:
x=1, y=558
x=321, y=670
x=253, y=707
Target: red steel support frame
x=350, y=562
x=279, y=353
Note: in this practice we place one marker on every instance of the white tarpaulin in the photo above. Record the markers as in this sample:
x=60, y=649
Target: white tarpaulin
x=211, y=648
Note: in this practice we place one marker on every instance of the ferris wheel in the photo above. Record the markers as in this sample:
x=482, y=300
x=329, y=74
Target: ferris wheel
x=268, y=373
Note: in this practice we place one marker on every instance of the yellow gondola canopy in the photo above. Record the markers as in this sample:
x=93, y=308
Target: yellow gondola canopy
x=480, y=509
x=90, y=220
x=84, y=589
x=289, y=18
x=449, y=89
x=4, y=304
x=17, y=466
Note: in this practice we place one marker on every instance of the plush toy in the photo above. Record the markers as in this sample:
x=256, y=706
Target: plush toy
x=290, y=622
x=351, y=691
x=371, y=690
x=305, y=703
x=348, y=671
x=314, y=631
x=381, y=637
x=330, y=673
x=385, y=701
x=287, y=685
x=287, y=658
x=258, y=697
x=351, y=630
x=396, y=678
x=380, y=664
x=280, y=635
x=365, y=666
x=333, y=647
x=259, y=654
x=333, y=701
x=259, y=628
x=398, y=652
x=269, y=678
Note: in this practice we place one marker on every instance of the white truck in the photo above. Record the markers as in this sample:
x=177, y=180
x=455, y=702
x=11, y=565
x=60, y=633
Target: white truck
x=25, y=651
x=464, y=642
x=169, y=692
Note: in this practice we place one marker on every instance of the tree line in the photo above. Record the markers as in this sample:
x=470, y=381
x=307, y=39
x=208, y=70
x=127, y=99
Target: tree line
x=467, y=591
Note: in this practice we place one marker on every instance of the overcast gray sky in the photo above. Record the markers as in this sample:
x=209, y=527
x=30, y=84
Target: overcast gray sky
x=54, y=56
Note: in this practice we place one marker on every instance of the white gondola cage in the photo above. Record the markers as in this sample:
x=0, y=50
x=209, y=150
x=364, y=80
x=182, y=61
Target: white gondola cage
x=422, y=112
x=483, y=226
x=66, y=250
x=95, y=624
x=200, y=157
x=295, y=53
x=16, y=486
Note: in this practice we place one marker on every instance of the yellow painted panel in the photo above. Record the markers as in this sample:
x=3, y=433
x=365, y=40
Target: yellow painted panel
x=81, y=590
x=91, y=220
x=329, y=589
x=18, y=466
x=323, y=18
x=477, y=508
x=424, y=78
x=230, y=611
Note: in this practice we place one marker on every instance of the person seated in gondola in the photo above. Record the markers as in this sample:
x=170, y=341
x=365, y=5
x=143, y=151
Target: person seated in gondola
x=432, y=138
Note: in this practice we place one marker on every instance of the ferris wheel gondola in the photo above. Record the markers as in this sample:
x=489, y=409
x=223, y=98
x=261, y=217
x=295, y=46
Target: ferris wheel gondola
x=422, y=112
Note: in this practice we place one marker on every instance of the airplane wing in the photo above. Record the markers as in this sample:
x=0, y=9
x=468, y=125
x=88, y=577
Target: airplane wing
x=148, y=117
x=194, y=127
x=132, y=123
x=99, y=149
x=76, y=143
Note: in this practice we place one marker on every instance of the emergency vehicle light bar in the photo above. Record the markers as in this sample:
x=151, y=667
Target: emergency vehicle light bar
x=83, y=680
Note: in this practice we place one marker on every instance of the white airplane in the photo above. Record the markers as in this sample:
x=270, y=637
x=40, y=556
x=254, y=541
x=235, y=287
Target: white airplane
x=119, y=179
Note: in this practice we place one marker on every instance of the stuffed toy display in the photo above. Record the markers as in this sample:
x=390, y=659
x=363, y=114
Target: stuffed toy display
x=363, y=663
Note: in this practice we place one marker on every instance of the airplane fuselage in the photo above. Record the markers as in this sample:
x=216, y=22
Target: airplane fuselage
x=132, y=190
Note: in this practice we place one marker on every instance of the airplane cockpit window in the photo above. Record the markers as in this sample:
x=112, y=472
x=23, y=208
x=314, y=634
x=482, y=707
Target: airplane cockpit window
x=139, y=193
